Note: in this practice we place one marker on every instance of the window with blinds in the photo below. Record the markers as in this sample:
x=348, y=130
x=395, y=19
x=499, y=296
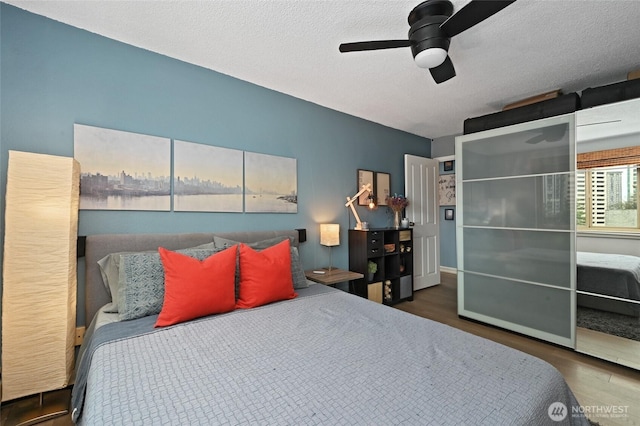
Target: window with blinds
x=607, y=189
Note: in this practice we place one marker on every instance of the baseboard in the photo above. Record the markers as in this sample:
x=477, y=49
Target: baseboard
x=448, y=270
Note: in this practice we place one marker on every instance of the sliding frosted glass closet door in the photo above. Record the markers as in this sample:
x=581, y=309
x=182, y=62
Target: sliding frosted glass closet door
x=515, y=228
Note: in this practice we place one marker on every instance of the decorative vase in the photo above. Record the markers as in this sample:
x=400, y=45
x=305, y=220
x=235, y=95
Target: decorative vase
x=396, y=219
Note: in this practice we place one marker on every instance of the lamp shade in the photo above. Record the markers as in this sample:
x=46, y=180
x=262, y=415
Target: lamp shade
x=330, y=234
x=39, y=273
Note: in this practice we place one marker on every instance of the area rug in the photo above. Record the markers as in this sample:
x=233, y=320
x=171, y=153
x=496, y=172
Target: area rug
x=609, y=322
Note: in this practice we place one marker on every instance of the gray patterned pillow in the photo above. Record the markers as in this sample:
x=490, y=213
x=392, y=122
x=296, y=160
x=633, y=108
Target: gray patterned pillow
x=141, y=282
x=297, y=271
x=110, y=271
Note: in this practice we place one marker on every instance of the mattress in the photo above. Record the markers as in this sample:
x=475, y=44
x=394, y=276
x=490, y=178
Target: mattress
x=613, y=275
x=325, y=357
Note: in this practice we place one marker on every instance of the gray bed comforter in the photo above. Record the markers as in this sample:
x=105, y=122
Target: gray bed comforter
x=615, y=275
x=326, y=357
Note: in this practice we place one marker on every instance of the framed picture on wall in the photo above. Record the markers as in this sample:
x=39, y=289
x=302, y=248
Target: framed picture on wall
x=364, y=177
x=382, y=188
x=206, y=178
x=449, y=214
x=447, y=166
x=122, y=170
x=447, y=190
x=270, y=183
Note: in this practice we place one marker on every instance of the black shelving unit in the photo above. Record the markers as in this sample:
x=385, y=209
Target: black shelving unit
x=392, y=251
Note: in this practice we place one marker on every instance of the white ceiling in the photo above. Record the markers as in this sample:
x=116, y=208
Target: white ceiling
x=291, y=46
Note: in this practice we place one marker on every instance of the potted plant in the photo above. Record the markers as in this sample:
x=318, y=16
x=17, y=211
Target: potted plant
x=372, y=268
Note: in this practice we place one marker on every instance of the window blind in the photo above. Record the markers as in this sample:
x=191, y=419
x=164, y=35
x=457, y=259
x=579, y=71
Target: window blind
x=609, y=157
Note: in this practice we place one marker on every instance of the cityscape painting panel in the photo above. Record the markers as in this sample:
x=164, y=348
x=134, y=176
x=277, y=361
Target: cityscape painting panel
x=122, y=170
x=206, y=178
x=271, y=184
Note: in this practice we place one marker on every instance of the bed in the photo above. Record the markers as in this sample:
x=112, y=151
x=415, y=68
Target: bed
x=322, y=357
x=614, y=275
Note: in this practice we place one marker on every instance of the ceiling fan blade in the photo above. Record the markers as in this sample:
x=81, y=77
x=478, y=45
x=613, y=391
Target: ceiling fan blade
x=550, y=134
x=536, y=139
x=471, y=14
x=373, y=45
x=443, y=72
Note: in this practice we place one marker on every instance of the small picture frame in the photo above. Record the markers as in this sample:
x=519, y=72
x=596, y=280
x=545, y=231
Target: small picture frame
x=447, y=166
x=449, y=214
x=364, y=177
x=383, y=188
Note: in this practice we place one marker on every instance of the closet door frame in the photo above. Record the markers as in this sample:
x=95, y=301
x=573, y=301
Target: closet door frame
x=568, y=230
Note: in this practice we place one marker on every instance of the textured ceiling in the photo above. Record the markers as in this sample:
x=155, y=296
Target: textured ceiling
x=531, y=47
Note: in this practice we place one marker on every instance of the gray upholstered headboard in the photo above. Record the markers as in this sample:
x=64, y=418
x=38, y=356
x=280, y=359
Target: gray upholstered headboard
x=98, y=246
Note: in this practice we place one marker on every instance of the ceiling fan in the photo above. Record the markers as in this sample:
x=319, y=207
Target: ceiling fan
x=549, y=134
x=431, y=27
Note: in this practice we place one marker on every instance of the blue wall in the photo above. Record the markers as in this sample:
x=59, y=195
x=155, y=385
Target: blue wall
x=447, y=231
x=445, y=146
x=53, y=75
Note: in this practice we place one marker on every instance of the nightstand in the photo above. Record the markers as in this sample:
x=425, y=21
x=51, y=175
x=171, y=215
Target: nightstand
x=333, y=276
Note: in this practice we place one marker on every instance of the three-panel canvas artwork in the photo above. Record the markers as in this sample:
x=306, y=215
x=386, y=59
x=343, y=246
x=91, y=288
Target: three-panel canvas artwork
x=131, y=171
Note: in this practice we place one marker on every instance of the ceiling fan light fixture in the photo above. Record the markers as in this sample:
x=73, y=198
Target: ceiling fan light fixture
x=431, y=26
x=431, y=58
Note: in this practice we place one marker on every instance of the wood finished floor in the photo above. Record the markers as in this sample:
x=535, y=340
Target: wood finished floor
x=594, y=382
x=612, y=348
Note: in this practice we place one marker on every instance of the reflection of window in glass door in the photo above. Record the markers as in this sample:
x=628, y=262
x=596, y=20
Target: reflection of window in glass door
x=556, y=197
x=607, y=197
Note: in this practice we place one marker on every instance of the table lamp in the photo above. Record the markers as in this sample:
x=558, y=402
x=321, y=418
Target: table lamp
x=351, y=200
x=330, y=236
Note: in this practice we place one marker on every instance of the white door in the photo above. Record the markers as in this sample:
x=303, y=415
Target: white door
x=421, y=183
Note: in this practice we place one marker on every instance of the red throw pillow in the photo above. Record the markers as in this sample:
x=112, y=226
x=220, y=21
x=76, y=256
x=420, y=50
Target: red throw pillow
x=194, y=288
x=265, y=276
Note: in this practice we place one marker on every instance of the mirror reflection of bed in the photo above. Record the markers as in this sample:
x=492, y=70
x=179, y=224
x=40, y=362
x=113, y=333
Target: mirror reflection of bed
x=608, y=255
x=608, y=307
